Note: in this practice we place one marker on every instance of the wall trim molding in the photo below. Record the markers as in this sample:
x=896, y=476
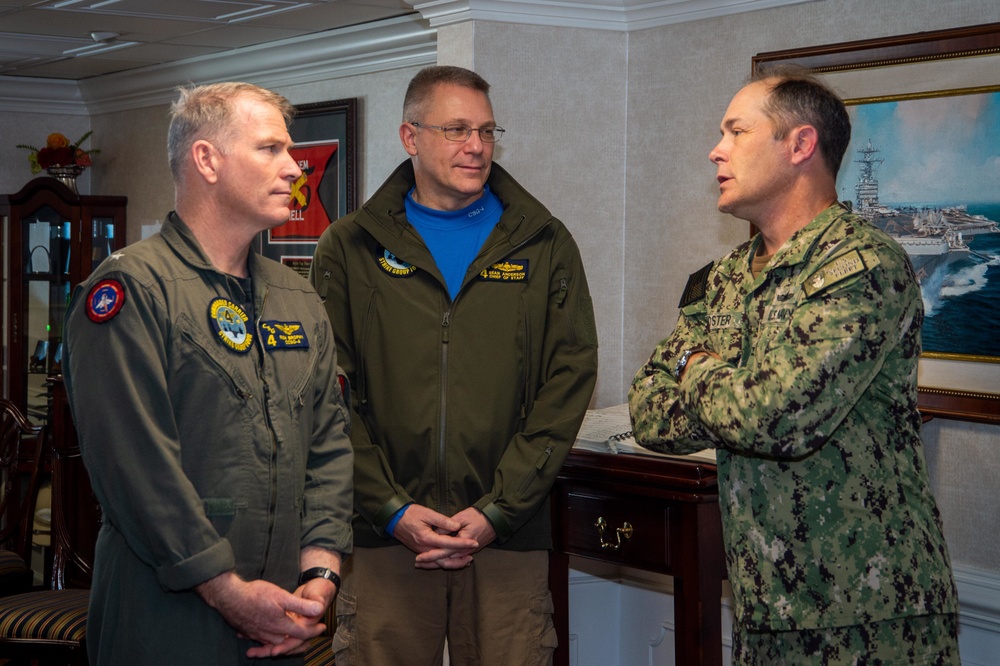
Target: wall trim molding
x=978, y=593
x=617, y=15
x=406, y=41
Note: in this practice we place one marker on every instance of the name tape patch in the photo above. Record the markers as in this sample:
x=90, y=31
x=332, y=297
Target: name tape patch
x=283, y=335
x=511, y=270
x=718, y=321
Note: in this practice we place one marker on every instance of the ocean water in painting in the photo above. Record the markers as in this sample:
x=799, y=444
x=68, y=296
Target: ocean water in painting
x=926, y=172
x=962, y=304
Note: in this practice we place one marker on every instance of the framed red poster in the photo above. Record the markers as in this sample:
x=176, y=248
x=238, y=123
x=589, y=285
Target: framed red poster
x=325, y=136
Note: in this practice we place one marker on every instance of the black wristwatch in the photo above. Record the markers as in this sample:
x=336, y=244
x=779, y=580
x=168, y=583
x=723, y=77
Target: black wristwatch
x=319, y=572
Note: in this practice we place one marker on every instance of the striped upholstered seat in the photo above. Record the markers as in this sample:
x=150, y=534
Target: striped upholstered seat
x=320, y=652
x=14, y=573
x=50, y=625
x=10, y=563
x=21, y=451
x=47, y=615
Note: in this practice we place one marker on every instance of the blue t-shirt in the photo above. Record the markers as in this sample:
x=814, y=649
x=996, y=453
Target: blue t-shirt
x=455, y=237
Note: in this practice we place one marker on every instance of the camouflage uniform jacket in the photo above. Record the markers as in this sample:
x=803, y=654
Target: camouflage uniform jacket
x=828, y=519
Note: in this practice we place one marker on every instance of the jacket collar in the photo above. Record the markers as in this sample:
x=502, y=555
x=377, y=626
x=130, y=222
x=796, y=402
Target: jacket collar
x=179, y=238
x=800, y=246
x=385, y=212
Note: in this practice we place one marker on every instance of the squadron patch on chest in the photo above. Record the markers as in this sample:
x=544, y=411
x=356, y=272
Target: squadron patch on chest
x=283, y=335
x=229, y=323
x=105, y=300
x=510, y=270
x=392, y=264
x=840, y=268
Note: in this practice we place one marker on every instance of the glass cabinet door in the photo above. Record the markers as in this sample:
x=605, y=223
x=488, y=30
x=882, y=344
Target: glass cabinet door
x=47, y=244
x=102, y=240
x=51, y=240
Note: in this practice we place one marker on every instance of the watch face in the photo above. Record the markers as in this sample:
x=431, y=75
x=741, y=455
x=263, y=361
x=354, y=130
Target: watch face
x=681, y=364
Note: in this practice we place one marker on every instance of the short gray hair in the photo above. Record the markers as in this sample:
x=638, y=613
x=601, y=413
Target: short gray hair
x=205, y=112
x=426, y=80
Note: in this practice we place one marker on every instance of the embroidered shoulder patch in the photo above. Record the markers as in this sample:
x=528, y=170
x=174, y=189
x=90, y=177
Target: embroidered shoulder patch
x=229, y=322
x=511, y=270
x=283, y=335
x=392, y=264
x=696, y=287
x=105, y=301
x=844, y=266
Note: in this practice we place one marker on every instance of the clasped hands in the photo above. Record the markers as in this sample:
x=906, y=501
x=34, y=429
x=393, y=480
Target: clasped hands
x=282, y=622
x=441, y=542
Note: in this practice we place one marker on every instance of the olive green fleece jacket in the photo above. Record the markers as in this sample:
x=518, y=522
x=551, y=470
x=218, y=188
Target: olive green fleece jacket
x=471, y=402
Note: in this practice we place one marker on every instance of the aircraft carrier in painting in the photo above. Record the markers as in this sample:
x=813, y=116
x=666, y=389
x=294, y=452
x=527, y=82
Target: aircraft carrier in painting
x=933, y=237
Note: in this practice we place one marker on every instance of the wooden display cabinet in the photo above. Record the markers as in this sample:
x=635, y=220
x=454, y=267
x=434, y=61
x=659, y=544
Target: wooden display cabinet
x=52, y=239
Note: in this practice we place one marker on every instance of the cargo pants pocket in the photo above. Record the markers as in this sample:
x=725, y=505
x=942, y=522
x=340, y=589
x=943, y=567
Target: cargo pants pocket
x=344, y=640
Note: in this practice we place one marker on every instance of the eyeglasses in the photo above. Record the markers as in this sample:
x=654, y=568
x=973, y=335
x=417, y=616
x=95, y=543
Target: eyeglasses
x=460, y=133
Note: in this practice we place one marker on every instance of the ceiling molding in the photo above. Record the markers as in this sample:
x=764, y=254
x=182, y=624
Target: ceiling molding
x=618, y=15
x=33, y=95
x=405, y=41
x=399, y=42
x=377, y=46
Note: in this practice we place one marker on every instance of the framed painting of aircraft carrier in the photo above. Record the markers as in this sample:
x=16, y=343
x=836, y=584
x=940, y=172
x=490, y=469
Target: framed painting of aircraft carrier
x=325, y=136
x=923, y=164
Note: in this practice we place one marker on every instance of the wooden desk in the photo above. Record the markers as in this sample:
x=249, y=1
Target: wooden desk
x=672, y=507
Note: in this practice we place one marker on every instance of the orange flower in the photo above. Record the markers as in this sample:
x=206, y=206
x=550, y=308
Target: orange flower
x=56, y=140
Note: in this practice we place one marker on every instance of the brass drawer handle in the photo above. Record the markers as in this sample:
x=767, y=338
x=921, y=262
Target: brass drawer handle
x=624, y=531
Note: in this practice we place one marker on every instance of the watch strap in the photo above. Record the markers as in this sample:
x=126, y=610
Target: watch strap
x=319, y=572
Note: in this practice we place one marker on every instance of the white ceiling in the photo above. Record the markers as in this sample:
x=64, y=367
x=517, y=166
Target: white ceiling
x=52, y=38
x=50, y=61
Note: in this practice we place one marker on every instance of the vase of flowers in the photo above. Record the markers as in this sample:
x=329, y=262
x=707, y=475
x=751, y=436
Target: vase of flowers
x=62, y=160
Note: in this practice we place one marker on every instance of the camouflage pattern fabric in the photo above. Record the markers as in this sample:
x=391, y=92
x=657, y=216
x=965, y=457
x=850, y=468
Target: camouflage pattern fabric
x=928, y=640
x=828, y=519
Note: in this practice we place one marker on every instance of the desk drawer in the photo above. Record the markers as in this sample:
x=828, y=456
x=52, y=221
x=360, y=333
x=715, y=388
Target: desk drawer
x=635, y=532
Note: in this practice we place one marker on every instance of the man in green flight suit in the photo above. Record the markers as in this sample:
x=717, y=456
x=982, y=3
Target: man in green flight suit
x=212, y=421
x=795, y=356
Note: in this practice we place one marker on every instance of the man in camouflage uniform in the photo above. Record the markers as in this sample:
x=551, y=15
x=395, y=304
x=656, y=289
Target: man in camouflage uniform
x=795, y=356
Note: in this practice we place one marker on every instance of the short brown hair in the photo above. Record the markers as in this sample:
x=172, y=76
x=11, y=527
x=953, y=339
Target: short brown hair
x=422, y=86
x=205, y=112
x=798, y=97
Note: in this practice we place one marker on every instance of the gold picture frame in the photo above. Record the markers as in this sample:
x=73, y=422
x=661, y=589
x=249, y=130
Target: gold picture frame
x=913, y=65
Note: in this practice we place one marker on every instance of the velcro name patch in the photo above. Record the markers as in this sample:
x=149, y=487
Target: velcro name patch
x=511, y=270
x=283, y=335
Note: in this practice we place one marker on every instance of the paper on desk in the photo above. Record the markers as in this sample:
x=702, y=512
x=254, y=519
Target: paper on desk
x=609, y=430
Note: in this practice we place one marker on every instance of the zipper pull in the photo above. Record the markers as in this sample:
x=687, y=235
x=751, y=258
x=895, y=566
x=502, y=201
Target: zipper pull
x=445, y=323
x=563, y=291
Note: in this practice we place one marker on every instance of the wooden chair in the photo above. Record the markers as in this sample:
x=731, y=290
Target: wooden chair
x=320, y=652
x=51, y=625
x=21, y=459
